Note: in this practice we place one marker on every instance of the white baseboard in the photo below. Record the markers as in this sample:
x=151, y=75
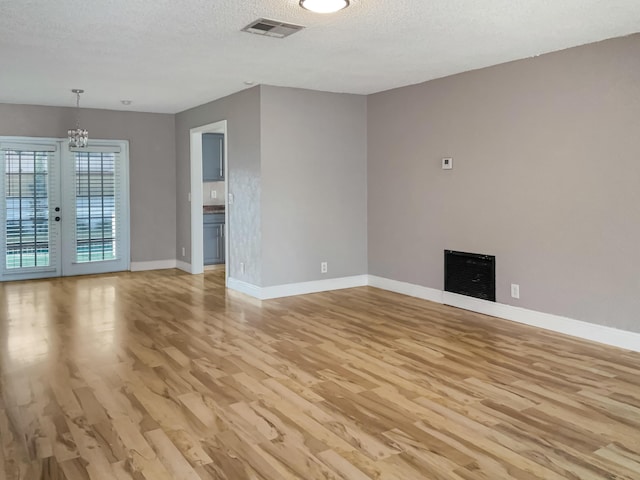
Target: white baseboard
x=569, y=326
x=548, y=321
x=183, y=266
x=405, y=288
x=290, y=289
x=244, y=287
x=153, y=265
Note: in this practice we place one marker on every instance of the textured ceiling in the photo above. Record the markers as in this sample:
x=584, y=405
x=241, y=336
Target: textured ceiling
x=169, y=55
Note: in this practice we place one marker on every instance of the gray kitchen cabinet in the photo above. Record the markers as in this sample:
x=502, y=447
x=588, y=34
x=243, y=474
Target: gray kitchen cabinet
x=212, y=157
x=213, y=230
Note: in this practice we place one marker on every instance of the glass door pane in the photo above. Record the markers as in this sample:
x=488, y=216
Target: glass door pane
x=96, y=222
x=96, y=225
x=30, y=240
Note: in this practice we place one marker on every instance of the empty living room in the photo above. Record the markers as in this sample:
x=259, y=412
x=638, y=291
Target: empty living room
x=320, y=240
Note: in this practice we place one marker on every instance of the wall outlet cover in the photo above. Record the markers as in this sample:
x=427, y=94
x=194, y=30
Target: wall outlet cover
x=447, y=163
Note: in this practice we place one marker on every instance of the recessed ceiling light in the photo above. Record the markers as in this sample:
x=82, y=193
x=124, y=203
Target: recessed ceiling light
x=249, y=82
x=126, y=102
x=324, y=6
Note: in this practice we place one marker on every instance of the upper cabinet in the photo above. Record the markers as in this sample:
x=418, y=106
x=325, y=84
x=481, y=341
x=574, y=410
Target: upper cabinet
x=212, y=157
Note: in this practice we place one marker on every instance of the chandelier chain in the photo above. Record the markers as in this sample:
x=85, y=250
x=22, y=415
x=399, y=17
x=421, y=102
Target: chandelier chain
x=78, y=137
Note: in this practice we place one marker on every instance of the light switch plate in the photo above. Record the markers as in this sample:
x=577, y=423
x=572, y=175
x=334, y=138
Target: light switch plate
x=447, y=163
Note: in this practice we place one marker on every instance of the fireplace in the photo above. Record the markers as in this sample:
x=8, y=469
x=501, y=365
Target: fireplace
x=470, y=274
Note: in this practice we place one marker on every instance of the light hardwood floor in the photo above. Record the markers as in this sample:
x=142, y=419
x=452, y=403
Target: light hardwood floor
x=164, y=375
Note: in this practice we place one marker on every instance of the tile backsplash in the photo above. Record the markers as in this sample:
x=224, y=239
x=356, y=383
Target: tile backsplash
x=207, y=188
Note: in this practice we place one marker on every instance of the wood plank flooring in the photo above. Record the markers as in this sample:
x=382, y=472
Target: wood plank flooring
x=163, y=375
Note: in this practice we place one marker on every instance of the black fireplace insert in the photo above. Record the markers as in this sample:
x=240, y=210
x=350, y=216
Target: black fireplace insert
x=470, y=274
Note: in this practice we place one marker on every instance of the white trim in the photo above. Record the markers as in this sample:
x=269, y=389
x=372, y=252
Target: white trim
x=569, y=326
x=184, y=266
x=291, y=289
x=29, y=145
x=494, y=309
x=195, y=197
x=153, y=265
x=556, y=323
x=94, y=147
x=244, y=287
x=410, y=289
x=227, y=250
x=315, y=286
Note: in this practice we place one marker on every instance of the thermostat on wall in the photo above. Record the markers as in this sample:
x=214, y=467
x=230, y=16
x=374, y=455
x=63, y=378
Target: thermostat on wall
x=447, y=163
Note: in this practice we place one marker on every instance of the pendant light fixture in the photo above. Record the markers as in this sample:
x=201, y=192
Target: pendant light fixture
x=78, y=137
x=324, y=6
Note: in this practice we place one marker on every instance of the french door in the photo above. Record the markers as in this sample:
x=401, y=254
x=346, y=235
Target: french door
x=64, y=211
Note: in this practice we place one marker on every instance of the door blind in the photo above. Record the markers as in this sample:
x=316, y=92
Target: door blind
x=28, y=244
x=98, y=219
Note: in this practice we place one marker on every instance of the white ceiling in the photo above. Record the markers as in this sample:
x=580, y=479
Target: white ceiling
x=170, y=55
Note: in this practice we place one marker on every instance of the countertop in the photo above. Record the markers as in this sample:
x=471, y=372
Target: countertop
x=213, y=209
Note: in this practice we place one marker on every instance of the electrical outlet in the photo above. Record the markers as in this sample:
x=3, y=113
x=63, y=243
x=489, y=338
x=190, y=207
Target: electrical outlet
x=447, y=163
x=184, y=253
x=231, y=199
x=515, y=290
x=213, y=194
x=241, y=267
x=323, y=267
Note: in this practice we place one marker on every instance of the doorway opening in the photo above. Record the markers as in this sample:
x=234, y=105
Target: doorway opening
x=208, y=184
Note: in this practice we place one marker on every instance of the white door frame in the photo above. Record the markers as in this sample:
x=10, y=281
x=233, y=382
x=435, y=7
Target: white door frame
x=197, y=243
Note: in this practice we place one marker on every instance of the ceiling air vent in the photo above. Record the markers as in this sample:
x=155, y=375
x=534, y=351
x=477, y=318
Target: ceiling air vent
x=272, y=28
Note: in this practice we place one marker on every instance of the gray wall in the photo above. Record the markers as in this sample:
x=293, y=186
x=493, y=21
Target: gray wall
x=546, y=177
x=242, y=112
x=152, y=166
x=314, y=192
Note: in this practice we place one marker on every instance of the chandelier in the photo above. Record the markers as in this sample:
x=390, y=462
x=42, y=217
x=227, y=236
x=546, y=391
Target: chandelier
x=78, y=137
